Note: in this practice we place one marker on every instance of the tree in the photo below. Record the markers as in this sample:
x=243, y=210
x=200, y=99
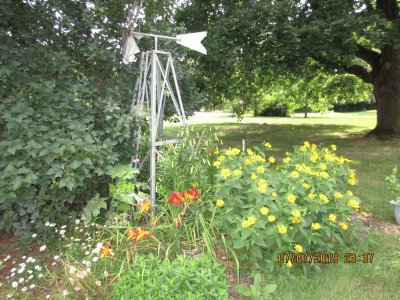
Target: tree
x=359, y=37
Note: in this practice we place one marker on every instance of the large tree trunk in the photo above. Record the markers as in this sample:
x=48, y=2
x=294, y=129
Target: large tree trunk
x=387, y=94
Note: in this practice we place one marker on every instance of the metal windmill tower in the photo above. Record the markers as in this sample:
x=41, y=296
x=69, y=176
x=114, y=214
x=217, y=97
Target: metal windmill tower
x=156, y=84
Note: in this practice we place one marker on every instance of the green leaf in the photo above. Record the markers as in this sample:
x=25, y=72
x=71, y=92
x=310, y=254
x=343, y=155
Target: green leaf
x=17, y=183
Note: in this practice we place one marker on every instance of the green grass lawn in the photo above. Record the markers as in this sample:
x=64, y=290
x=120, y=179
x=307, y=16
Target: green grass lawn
x=349, y=281
x=372, y=159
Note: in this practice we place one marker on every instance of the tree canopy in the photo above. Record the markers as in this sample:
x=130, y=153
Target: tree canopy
x=358, y=37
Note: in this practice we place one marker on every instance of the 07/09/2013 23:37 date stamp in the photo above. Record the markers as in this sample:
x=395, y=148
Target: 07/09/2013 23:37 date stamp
x=326, y=258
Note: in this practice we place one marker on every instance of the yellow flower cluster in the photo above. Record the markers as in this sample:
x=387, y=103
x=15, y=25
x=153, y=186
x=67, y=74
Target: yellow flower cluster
x=264, y=210
x=262, y=186
x=250, y=221
x=354, y=204
x=271, y=218
x=332, y=217
x=291, y=198
x=237, y=172
x=286, y=160
x=352, y=178
x=344, y=226
x=267, y=145
x=324, y=198
x=232, y=151
x=298, y=248
x=315, y=226
x=282, y=229
x=338, y=195
x=260, y=169
x=220, y=202
x=294, y=174
x=271, y=159
x=296, y=213
x=225, y=173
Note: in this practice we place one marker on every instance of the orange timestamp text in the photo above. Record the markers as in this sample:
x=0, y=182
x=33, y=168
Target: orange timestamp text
x=326, y=258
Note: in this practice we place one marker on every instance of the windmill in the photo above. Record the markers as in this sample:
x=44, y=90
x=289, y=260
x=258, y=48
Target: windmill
x=157, y=82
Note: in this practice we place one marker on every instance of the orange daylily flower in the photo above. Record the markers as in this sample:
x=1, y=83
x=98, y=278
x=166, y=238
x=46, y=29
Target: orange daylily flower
x=144, y=206
x=106, y=251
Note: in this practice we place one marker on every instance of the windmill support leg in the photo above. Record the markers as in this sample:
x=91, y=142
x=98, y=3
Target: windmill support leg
x=153, y=128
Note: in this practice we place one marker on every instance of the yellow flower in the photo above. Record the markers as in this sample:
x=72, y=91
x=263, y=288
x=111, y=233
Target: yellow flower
x=352, y=181
x=291, y=198
x=344, y=226
x=232, y=151
x=247, y=161
x=323, y=166
x=253, y=176
x=264, y=211
x=220, y=202
x=289, y=264
x=338, y=195
x=217, y=164
x=237, y=172
x=294, y=174
x=295, y=220
x=314, y=157
x=282, y=229
x=306, y=186
x=324, y=175
x=271, y=159
x=315, y=226
x=221, y=158
x=354, y=204
x=333, y=147
x=271, y=218
x=296, y=213
x=311, y=196
x=262, y=182
x=225, y=173
x=298, y=248
x=258, y=158
x=324, y=198
x=252, y=220
x=246, y=224
x=350, y=193
x=267, y=145
x=260, y=169
x=332, y=217
x=249, y=151
x=274, y=194
x=286, y=160
x=262, y=188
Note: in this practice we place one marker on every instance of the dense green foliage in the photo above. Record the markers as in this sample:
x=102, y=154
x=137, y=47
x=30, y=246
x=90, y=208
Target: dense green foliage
x=64, y=104
x=256, y=43
x=182, y=278
x=300, y=205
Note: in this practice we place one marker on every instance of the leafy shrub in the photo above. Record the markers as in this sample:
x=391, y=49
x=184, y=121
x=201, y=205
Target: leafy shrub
x=300, y=205
x=182, y=278
x=54, y=157
x=183, y=164
x=275, y=109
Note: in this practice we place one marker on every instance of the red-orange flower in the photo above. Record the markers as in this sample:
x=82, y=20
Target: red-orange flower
x=106, y=251
x=187, y=196
x=144, y=206
x=135, y=234
x=177, y=199
x=192, y=194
